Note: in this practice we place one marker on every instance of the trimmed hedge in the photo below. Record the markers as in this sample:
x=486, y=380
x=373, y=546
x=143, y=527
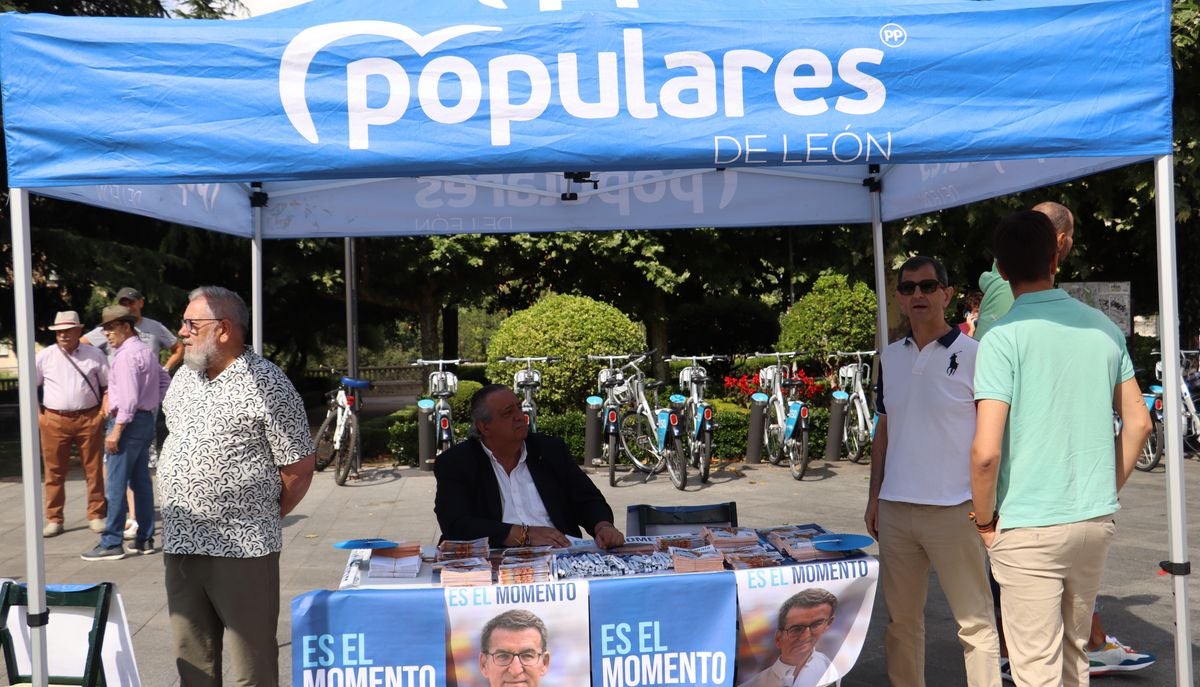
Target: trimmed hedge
x=570, y=427
x=566, y=326
x=834, y=316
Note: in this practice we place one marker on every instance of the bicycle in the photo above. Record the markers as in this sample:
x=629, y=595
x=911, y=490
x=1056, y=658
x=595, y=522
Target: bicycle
x=337, y=438
x=527, y=381
x=853, y=379
x=784, y=417
x=442, y=385
x=697, y=415
x=650, y=432
x=610, y=381
x=1151, y=453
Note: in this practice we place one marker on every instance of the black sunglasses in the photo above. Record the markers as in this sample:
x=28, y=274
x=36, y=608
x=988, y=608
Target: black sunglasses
x=927, y=286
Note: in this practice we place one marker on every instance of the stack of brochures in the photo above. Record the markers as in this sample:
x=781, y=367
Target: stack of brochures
x=729, y=537
x=465, y=572
x=755, y=556
x=525, y=569
x=687, y=540
x=450, y=550
x=700, y=559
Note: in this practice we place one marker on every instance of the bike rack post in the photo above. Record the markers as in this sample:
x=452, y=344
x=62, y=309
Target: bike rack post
x=591, y=430
x=425, y=434
x=837, y=421
x=758, y=418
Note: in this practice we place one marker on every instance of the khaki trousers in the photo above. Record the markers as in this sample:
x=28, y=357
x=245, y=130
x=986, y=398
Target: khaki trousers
x=59, y=433
x=1048, y=579
x=912, y=538
x=213, y=600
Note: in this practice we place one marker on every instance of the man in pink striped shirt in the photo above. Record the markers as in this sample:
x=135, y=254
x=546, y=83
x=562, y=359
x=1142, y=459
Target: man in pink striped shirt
x=136, y=385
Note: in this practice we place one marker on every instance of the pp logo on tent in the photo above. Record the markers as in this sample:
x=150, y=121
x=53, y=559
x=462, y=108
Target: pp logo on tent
x=893, y=35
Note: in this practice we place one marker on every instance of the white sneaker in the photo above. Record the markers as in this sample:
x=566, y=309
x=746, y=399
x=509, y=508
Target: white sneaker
x=52, y=529
x=1115, y=657
x=96, y=524
x=130, y=530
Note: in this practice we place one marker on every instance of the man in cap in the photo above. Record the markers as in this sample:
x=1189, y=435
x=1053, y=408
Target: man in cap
x=136, y=386
x=153, y=333
x=158, y=337
x=73, y=377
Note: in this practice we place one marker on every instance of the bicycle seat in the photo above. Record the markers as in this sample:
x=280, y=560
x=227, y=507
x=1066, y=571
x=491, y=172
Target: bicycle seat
x=789, y=383
x=654, y=385
x=529, y=385
x=355, y=383
x=444, y=393
x=611, y=382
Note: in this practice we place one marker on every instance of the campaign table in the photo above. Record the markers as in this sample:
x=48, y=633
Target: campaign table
x=667, y=628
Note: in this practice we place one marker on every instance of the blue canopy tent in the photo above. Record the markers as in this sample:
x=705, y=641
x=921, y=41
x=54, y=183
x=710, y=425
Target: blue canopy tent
x=357, y=118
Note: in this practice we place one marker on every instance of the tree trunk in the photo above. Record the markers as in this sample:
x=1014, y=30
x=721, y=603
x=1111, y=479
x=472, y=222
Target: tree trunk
x=656, y=334
x=450, y=332
x=429, y=329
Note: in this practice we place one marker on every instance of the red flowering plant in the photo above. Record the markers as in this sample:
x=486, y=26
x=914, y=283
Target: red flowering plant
x=741, y=388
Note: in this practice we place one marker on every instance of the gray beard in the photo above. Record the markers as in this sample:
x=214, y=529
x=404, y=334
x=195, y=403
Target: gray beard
x=199, y=356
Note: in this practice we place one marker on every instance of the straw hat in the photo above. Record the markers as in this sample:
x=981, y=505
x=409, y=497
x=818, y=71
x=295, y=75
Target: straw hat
x=65, y=319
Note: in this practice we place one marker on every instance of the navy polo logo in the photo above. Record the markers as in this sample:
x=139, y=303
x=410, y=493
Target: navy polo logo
x=953, y=366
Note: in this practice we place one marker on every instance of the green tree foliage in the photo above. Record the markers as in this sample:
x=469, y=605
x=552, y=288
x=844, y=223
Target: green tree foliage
x=836, y=315
x=724, y=325
x=566, y=326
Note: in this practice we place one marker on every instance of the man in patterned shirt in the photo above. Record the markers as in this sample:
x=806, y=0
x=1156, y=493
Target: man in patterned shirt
x=238, y=458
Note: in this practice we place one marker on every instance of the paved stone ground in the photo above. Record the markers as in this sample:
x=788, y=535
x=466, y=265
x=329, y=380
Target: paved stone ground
x=398, y=503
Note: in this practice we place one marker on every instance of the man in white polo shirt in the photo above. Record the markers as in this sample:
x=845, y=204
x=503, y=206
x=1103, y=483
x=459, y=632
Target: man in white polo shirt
x=920, y=491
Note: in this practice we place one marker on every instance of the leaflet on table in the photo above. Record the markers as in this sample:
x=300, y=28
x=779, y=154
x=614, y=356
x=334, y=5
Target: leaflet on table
x=641, y=638
x=553, y=612
x=356, y=638
x=826, y=603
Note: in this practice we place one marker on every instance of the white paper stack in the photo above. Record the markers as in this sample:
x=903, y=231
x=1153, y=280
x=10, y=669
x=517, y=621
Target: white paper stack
x=386, y=566
x=525, y=568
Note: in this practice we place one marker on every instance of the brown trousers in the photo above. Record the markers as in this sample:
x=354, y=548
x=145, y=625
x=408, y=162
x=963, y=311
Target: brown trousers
x=59, y=433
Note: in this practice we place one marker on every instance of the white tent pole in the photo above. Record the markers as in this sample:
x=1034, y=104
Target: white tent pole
x=881, y=332
x=1168, y=317
x=257, y=201
x=31, y=449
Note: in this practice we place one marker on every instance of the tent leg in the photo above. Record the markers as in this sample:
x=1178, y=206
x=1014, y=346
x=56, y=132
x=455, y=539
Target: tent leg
x=881, y=331
x=256, y=279
x=1168, y=318
x=31, y=450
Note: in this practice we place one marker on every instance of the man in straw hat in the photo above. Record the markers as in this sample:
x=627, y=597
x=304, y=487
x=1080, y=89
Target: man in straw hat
x=136, y=386
x=73, y=377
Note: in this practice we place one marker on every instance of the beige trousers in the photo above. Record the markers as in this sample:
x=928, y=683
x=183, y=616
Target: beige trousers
x=1048, y=580
x=912, y=538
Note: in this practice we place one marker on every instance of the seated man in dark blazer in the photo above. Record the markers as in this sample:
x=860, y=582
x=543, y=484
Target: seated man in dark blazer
x=513, y=487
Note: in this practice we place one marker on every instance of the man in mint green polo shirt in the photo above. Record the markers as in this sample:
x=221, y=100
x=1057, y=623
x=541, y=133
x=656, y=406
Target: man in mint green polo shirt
x=1045, y=469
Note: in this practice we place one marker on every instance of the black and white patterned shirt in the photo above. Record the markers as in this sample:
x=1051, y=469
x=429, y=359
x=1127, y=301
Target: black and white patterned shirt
x=219, y=470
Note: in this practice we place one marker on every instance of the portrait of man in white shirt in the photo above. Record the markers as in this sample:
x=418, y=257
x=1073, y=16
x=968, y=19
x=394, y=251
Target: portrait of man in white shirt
x=803, y=619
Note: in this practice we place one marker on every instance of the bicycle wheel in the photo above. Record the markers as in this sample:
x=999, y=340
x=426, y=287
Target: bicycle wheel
x=773, y=431
x=704, y=457
x=856, y=431
x=323, y=440
x=676, y=459
x=345, y=453
x=638, y=443
x=1152, y=451
x=798, y=455
x=612, y=449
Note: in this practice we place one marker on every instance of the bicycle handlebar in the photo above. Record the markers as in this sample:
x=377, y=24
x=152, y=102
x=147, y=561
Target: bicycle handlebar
x=530, y=359
x=455, y=361
x=696, y=358
x=856, y=354
x=779, y=354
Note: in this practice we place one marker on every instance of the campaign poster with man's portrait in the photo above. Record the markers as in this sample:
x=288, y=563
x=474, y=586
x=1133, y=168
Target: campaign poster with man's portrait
x=528, y=634
x=803, y=625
